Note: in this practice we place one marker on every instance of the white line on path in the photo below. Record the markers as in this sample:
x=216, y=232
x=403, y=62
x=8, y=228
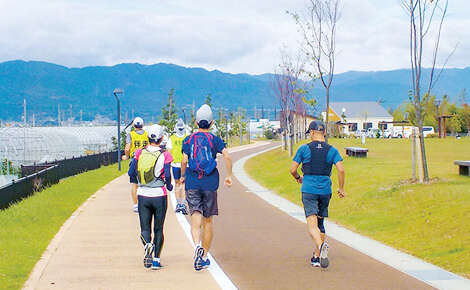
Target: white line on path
x=408, y=264
x=219, y=275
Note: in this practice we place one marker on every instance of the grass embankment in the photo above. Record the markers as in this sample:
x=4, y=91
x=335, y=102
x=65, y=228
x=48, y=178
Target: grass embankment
x=28, y=226
x=430, y=221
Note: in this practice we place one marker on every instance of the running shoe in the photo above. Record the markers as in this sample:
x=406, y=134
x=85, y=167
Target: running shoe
x=198, y=262
x=148, y=250
x=136, y=208
x=315, y=261
x=324, y=262
x=184, y=210
x=178, y=208
x=206, y=263
x=156, y=265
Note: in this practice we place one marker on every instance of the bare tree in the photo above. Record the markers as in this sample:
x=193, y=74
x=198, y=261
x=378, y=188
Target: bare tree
x=318, y=30
x=423, y=15
x=287, y=87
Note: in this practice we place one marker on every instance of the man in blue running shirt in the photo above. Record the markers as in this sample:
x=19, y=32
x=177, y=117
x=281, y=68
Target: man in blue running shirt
x=317, y=159
x=200, y=177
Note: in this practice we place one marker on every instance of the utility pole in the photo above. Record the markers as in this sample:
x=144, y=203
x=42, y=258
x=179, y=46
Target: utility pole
x=58, y=115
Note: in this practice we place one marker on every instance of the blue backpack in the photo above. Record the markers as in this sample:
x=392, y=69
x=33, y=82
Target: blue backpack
x=201, y=159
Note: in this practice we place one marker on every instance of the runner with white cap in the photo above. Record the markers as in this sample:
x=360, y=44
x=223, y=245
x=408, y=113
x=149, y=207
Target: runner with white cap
x=135, y=139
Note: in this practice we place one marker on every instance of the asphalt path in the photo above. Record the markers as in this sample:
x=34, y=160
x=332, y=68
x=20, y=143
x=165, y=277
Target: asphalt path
x=260, y=247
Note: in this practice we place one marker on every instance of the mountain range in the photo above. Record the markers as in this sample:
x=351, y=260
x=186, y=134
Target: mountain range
x=85, y=93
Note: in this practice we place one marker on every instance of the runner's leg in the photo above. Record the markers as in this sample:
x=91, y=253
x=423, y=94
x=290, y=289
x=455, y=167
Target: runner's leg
x=160, y=207
x=207, y=234
x=314, y=232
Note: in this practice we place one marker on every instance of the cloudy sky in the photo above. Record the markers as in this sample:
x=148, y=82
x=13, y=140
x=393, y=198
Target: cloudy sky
x=234, y=36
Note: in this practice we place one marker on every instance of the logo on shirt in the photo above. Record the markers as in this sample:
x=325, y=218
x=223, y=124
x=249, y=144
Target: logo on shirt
x=319, y=146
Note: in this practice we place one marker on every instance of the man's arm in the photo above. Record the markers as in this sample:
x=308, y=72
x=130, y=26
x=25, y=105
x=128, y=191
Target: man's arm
x=228, y=164
x=341, y=178
x=127, y=151
x=184, y=165
x=294, y=173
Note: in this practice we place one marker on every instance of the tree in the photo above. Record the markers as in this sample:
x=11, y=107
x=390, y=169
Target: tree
x=318, y=30
x=169, y=113
x=420, y=26
x=208, y=100
x=287, y=88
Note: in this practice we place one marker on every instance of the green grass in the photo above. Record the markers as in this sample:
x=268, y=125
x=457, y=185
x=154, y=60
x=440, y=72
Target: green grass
x=28, y=226
x=430, y=221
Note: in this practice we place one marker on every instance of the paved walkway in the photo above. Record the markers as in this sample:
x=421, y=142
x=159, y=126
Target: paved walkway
x=256, y=245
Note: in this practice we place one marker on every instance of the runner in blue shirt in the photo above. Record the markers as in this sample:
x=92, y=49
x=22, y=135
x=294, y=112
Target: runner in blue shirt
x=200, y=176
x=317, y=159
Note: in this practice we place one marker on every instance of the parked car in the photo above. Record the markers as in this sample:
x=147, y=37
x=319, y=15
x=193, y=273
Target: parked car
x=388, y=133
x=359, y=132
x=373, y=133
x=428, y=130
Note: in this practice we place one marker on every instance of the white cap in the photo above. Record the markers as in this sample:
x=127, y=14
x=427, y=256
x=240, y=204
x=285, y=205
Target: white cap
x=155, y=132
x=204, y=113
x=138, y=122
x=179, y=125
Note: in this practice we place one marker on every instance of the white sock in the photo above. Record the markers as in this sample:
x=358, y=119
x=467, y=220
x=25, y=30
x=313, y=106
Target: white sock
x=156, y=259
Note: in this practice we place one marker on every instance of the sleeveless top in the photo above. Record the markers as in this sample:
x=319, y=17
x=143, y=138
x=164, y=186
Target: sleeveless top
x=138, y=141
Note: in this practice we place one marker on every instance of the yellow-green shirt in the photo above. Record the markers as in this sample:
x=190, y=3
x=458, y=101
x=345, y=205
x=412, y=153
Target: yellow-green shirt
x=176, y=147
x=138, y=141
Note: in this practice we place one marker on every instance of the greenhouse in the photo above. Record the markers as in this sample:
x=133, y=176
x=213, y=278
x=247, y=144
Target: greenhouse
x=28, y=145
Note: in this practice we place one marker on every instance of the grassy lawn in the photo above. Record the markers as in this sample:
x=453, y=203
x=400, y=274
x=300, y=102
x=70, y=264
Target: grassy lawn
x=429, y=221
x=28, y=227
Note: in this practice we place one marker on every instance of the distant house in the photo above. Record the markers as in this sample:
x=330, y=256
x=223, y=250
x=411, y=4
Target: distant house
x=352, y=116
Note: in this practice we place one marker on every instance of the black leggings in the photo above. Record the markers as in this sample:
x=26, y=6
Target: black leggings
x=156, y=207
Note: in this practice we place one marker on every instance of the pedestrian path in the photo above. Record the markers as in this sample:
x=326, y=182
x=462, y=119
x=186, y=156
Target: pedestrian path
x=410, y=265
x=98, y=247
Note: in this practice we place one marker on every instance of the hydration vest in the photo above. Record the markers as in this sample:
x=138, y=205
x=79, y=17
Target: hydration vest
x=138, y=141
x=146, y=168
x=318, y=164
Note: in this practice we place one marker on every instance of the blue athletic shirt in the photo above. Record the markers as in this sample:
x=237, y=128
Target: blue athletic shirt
x=317, y=184
x=207, y=182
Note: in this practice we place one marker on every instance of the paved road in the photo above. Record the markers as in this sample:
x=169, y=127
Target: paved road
x=255, y=244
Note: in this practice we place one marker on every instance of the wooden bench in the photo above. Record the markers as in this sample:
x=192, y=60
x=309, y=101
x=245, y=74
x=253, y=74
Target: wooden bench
x=463, y=167
x=356, y=151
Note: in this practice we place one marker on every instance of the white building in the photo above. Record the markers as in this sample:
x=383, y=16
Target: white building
x=351, y=116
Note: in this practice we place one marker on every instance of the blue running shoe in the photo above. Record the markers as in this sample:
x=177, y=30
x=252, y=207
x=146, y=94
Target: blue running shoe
x=156, y=265
x=198, y=262
x=148, y=250
x=315, y=261
x=324, y=262
x=178, y=208
x=206, y=263
x=183, y=210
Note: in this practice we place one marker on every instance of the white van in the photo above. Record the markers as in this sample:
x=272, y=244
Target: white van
x=428, y=130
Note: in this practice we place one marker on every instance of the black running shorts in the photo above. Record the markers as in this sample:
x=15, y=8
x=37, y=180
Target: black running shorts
x=203, y=201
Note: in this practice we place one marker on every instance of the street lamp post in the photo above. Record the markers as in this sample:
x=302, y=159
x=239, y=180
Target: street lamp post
x=116, y=92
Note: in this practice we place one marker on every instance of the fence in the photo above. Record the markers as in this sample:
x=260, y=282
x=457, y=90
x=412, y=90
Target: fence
x=35, y=177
